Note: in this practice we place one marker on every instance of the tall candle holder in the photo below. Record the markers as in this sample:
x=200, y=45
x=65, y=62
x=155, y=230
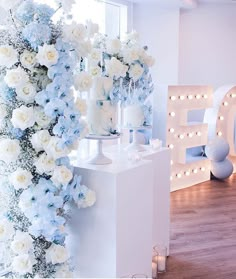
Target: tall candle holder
x=159, y=260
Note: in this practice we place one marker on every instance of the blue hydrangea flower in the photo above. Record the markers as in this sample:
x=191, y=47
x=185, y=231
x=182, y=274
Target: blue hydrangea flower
x=17, y=133
x=46, y=186
x=7, y=93
x=29, y=11
x=54, y=108
x=42, y=98
x=36, y=34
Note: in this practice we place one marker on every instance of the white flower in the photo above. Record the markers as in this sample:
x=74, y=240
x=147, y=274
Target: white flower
x=147, y=59
x=22, y=243
x=61, y=176
x=9, y=150
x=8, y=56
x=54, y=150
x=23, y=117
x=95, y=71
x=6, y=230
x=81, y=105
x=113, y=46
x=132, y=38
x=28, y=59
x=40, y=140
x=57, y=254
x=66, y=4
x=41, y=118
x=9, y=4
x=16, y=77
x=45, y=164
x=92, y=28
x=136, y=71
x=3, y=112
x=21, y=179
x=26, y=93
x=115, y=68
x=47, y=55
x=22, y=264
x=90, y=199
x=63, y=271
x=131, y=54
x=83, y=81
x=107, y=84
x=84, y=48
x=95, y=56
x=75, y=33
x=85, y=130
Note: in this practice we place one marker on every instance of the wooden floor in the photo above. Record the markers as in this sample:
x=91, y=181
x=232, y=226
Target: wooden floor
x=203, y=232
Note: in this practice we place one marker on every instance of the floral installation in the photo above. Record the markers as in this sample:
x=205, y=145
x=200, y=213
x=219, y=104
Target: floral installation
x=40, y=123
x=128, y=64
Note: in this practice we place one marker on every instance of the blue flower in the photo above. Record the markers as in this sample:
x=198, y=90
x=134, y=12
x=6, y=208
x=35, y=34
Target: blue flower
x=7, y=93
x=61, y=127
x=53, y=202
x=36, y=34
x=54, y=108
x=29, y=11
x=42, y=98
x=46, y=186
x=17, y=133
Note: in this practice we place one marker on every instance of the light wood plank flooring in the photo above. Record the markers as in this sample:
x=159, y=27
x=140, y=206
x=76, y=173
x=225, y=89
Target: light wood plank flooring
x=203, y=232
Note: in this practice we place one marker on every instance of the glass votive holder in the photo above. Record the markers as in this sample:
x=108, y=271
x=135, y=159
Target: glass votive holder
x=139, y=276
x=160, y=256
x=155, y=144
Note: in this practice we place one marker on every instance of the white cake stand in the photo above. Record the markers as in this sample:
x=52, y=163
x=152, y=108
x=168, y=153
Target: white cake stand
x=135, y=146
x=100, y=158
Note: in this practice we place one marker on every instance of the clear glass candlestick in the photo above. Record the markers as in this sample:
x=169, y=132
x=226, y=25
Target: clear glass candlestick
x=160, y=258
x=139, y=276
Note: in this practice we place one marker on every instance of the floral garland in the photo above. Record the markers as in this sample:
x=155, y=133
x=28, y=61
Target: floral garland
x=128, y=64
x=40, y=123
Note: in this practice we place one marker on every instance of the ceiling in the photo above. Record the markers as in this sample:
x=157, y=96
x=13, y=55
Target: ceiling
x=185, y=3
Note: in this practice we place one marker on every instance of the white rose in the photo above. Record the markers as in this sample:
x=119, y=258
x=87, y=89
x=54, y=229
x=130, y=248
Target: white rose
x=131, y=54
x=45, y=164
x=22, y=243
x=21, y=179
x=107, y=84
x=16, y=77
x=75, y=33
x=41, y=118
x=57, y=254
x=95, y=71
x=40, y=140
x=28, y=59
x=54, y=150
x=9, y=4
x=61, y=176
x=92, y=28
x=83, y=82
x=26, y=93
x=6, y=230
x=23, y=117
x=63, y=271
x=115, y=68
x=95, y=56
x=3, y=112
x=113, y=46
x=9, y=150
x=81, y=105
x=132, y=38
x=47, y=55
x=136, y=71
x=84, y=48
x=148, y=60
x=8, y=56
x=22, y=264
x=89, y=200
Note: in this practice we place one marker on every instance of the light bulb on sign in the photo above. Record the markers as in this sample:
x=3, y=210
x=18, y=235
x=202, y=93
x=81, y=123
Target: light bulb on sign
x=181, y=136
x=219, y=134
x=172, y=114
x=225, y=104
x=187, y=173
x=173, y=98
x=179, y=175
x=171, y=146
x=205, y=96
x=172, y=130
x=202, y=169
x=221, y=118
x=199, y=134
x=181, y=97
x=195, y=171
x=190, y=97
x=190, y=135
x=198, y=96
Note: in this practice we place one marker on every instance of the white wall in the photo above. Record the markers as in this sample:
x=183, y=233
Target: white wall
x=159, y=29
x=208, y=45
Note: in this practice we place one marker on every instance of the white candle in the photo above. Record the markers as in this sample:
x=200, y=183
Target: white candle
x=161, y=263
x=154, y=269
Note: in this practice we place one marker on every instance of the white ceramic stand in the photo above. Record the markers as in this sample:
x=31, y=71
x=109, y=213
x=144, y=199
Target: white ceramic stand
x=135, y=146
x=100, y=158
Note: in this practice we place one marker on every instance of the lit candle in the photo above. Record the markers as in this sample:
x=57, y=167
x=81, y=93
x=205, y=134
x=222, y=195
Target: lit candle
x=161, y=263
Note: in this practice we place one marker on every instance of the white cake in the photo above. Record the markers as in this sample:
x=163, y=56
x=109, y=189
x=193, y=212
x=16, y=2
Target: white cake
x=102, y=116
x=133, y=116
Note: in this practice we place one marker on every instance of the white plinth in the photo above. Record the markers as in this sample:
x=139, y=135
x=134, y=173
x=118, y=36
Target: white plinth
x=116, y=234
x=161, y=190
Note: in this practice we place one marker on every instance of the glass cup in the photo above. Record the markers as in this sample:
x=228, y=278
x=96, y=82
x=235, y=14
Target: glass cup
x=160, y=256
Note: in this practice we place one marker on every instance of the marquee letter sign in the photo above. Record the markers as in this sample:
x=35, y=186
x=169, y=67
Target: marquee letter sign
x=172, y=126
x=221, y=118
